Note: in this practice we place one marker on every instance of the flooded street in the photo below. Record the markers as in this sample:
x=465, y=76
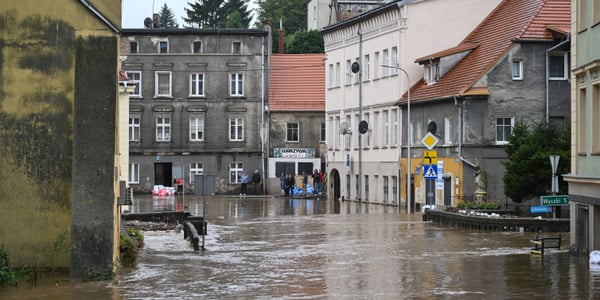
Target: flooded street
x=278, y=248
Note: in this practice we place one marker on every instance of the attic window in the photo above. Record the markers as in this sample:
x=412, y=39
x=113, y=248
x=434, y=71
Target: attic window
x=133, y=47
x=236, y=47
x=432, y=73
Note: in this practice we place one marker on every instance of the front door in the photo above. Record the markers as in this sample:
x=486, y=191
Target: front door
x=163, y=174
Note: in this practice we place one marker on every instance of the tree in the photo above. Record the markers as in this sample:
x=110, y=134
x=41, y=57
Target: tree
x=238, y=14
x=167, y=18
x=528, y=171
x=206, y=13
x=305, y=42
x=292, y=13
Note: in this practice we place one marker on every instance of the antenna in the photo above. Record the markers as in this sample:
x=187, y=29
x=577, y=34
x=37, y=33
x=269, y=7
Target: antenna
x=344, y=128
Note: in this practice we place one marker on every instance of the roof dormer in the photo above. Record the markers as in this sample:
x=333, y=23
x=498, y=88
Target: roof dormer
x=439, y=63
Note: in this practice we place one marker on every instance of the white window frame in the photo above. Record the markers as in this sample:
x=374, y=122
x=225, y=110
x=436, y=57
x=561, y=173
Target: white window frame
x=134, y=128
x=331, y=76
x=197, y=85
x=433, y=73
x=376, y=68
x=394, y=60
x=290, y=129
x=565, y=65
x=323, y=133
x=157, y=87
x=196, y=168
x=385, y=62
x=348, y=72
x=163, y=128
x=235, y=172
x=516, y=69
x=503, y=127
x=367, y=140
x=338, y=69
x=136, y=77
x=196, y=128
x=236, y=84
x=357, y=75
x=394, y=122
x=236, y=129
x=134, y=173
x=367, y=68
x=447, y=133
x=385, y=123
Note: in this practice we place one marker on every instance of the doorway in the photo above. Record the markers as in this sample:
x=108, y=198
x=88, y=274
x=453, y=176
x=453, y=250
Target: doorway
x=163, y=174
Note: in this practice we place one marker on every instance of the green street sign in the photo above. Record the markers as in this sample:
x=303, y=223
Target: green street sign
x=555, y=200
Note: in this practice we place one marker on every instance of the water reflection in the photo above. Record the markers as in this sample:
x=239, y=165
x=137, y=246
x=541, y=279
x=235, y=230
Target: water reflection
x=272, y=247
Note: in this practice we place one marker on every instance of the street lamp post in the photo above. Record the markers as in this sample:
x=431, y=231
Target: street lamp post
x=408, y=134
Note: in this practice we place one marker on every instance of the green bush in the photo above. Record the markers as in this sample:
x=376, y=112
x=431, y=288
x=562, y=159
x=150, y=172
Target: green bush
x=129, y=245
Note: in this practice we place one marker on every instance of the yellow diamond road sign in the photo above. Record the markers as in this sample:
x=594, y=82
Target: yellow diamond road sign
x=430, y=140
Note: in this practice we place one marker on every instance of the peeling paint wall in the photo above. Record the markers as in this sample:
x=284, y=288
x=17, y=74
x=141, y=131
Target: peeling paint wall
x=41, y=55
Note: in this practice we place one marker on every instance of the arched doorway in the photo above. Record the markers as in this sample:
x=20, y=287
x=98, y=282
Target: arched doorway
x=334, y=184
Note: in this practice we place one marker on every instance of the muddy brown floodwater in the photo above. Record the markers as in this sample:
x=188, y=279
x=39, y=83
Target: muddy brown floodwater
x=279, y=248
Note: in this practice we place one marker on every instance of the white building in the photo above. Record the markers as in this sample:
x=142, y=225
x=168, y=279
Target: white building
x=394, y=34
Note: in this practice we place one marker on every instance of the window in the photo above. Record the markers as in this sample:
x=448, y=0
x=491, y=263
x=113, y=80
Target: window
x=137, y=78
x=385, y=138
x=394, y=60
x=376, y=68
x=356, y=136
x=367, y=68
x=367, y=139
x=558, y=66
x=348, y=185
x=163, y=129
x=447, y=127
x=433, y=73
x=582, y=20
x=134, y=129
x=236, y=129
x=581, y=121
x=196, y=168
x=197, y=47
x=395, y=189
x=163, y=84
x=357, y=185
x=292, y=132
x=386, y=189
x=595, y=128
x=596, y=11
x=323, y=132
x=236, y=86
x=357, y=75
x=163, y=47
x=385, y=62
x=331, y=76
x=348, y=72
x=394, y=137
x=197, y=84
x=336, y=133
x=366, y=187
x=517, y=69
x=503, y=129
x=235, y=172
x=196, y=128
x=236, y=47
x=134, y=173
x=133, y=47
x=337, y=74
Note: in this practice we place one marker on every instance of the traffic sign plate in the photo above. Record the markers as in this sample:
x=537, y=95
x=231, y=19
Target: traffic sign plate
x=430, y=171
x=430, y=157
x=555, y=200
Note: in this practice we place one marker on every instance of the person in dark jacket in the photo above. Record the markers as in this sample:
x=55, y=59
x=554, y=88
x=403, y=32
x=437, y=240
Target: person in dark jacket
x=256, y=180
x=289, y=185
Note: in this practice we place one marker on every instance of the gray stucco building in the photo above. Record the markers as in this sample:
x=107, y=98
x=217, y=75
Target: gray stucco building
x=198, y=107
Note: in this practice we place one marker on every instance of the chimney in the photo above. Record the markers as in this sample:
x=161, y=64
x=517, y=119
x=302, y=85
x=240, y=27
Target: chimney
x=280, y=44
x=155, y=20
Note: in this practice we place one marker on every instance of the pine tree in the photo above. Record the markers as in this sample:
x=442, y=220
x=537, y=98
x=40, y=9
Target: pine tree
x=238, y=14
x=206, y=13
x=167, y=18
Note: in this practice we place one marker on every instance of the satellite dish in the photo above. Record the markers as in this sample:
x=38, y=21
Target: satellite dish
x=355, y=67
x=148, y=22
x=363, y=127
x=432, y=127
x=344, y=128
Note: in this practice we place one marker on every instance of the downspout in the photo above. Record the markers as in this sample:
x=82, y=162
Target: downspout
x=262, y=115
x=567, y=40
x=460, y=132
x=360, y=114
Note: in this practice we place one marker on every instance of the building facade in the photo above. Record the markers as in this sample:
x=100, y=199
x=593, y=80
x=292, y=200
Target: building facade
x=383, y=42
x=584, y=179
x=198, y=107
x=296, y=116
x=512, y=67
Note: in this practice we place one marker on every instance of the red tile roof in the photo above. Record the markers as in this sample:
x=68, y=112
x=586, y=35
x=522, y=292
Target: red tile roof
x=297, y=82
x=512, y=19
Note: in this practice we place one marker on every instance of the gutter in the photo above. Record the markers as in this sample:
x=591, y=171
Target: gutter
x=567, y=40
x=100, y=16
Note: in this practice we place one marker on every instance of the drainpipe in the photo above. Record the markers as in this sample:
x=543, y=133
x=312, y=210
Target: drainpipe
x=360, y=116
x=460, y=132
x=262, y=115
x=567, y=40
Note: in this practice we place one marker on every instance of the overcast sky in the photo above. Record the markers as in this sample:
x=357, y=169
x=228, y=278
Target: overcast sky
x=135, y=11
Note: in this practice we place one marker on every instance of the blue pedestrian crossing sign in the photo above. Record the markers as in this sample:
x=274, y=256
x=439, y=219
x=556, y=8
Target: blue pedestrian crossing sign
x=430, y=171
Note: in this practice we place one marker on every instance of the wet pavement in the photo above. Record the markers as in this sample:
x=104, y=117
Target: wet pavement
x=279, y=248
